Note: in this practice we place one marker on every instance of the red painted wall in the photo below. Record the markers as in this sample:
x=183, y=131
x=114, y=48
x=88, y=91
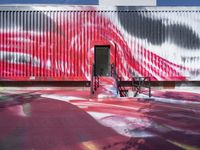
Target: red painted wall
x=59, y=45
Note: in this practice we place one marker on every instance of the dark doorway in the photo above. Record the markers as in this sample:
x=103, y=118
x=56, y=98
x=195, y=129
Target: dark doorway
x=102, y=60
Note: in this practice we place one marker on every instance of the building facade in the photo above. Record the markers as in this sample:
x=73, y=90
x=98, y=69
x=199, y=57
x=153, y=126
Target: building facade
x=59, y=42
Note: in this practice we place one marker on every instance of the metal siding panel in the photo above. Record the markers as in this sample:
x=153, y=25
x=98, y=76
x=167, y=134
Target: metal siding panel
x=138, y=43
x=88, y=36
x=86, y=44
x=80, y=46
x=58, y=43
x=21, y=39
x=8, y=43
x=5, y=43
x=32, y=45
x=49, y=63
x=73, y=43
x=42, y=32
x=28, y=22
x=98, y=25
x=35, y=43
x=123, y=50
x=79, y=23
x=4, y=39
x=101, y=23
x=55, y=49
x=38, y=45
x=83, y=34
x=76, y=44
x=62, y=53
x=119, y=50
x=151, y=35
x=45, y=45
x=116, y=44
x=90, y=31
x=16, y=44
x=59, y=46
x=51, y=41
x=67, y=44
x=25, y=41
x=70, y=44
x=95, y=24
x=72, y=26
x=81, y=17
x=75, y=50
x=63, y=45
x=129, y=49
x=60, y=32
x=160, y=37
x=1, y=45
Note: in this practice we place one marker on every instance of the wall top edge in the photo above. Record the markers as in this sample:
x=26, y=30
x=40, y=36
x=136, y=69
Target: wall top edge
x=58, y=7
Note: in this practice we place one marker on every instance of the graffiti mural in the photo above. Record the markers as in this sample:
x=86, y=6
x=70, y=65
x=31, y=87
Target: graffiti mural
x=57, y=43
x=67, y=118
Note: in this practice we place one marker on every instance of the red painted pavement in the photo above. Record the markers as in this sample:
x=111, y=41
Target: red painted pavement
x=69, y=119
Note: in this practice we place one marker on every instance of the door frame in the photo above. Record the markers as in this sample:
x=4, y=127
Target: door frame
x=109, y=59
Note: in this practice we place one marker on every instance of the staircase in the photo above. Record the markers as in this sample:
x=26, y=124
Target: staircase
x=107, y=86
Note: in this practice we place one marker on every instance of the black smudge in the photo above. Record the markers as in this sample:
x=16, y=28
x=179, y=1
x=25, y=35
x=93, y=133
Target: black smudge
x=154, y=30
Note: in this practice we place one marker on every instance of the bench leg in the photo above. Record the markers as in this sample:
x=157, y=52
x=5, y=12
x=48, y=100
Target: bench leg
x=137, y=91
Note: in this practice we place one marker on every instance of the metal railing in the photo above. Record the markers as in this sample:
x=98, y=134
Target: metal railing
x=120, y=89
x=115, y=76
x=94, y=84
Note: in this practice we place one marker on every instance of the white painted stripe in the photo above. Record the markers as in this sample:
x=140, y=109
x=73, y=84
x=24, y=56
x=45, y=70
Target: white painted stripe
x=127, y=2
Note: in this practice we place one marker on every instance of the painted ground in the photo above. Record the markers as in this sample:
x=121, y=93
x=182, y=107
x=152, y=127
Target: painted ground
x=69, y=119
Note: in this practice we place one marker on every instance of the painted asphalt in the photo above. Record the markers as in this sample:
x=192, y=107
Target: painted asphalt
x=68, y=118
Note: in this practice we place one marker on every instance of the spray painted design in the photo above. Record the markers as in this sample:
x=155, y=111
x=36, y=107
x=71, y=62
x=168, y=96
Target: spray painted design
x=163, y=43
x=170, y=118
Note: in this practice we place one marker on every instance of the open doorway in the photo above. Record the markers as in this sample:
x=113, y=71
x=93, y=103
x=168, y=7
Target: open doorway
x=102, y=60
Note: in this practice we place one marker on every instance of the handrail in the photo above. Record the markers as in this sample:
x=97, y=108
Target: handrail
x=120, y=89
x=123, y=90
x=94, y=80
x=114, y=74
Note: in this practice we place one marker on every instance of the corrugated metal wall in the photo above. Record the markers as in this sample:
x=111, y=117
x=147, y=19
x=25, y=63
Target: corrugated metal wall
x=165, y=42
x=59, y=45
x=41, y=45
